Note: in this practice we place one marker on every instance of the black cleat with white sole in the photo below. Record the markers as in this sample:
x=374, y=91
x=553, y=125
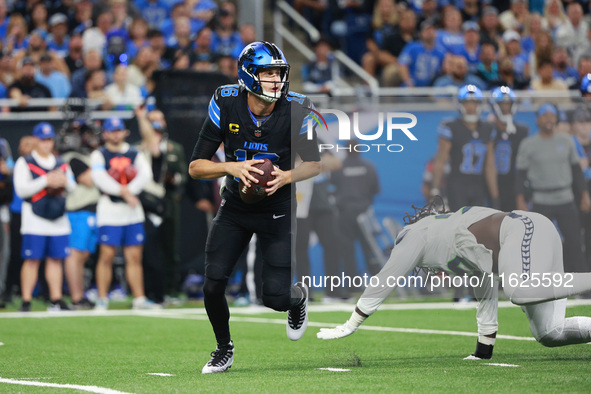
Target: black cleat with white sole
x=221, y=359
x=297, y=317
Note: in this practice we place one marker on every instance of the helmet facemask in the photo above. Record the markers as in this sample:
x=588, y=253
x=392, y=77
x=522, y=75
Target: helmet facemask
x=471, y=118
x=257, y=87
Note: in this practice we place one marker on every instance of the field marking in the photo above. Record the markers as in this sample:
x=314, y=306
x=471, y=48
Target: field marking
x=322, y=325
x=501, y=365
x=159, y=374
x=1, y=343
x=258, y=310
x=334, y=369
x=90, y=389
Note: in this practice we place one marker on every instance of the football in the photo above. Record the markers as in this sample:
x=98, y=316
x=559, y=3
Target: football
x=256, y=191
x=125, y=176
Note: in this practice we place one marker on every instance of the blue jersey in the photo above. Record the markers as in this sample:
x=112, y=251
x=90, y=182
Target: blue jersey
x=61, y=49
x=423, y=64
x=154, y=12
x=449, y=42
x=570, y=76
x=230, y=46
x=520, y=62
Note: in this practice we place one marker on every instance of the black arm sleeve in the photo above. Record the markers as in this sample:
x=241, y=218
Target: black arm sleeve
x=520, y=177
x=78, y=167
x=579, y=184
x=208, y=142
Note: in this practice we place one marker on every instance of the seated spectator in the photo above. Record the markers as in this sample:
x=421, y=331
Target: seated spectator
x=82, y=18
x=248, y=34
x=121, y=93
x=94, y=88
x=546, y=81
x=58, y=40
x=182, y=61
x=317, y=75
x=544, y=47
x=139, y=73
x=516, y=17
x=427, y=10
x=26, y=88
x=154, y=12
x=225, y=38
x=57, y=82
x=92, y=62
x=584, y=67
x=121, y=14
x=4, y=18
x=458, y=75
x=488, y=68
x=203, y=62
x=420, y=61
x=451, y=39
x=74, y=59
x=35, y=48
x=512, y=41
x=182, y=35
x=507, y=76
x=179, y=10
x=471, y=49
x=203, y=10
x=573, y=33
x=471, y=11
x=562, y=68
x=96, y=37
x=554, y=15
x=138, y=37
x=227, y=65
x=202, y=44
x=16, y=34
x=404, y=34
x=490, y=27
x=38, y=19
x=532, y=28
x=158, y=45
x=383, y=24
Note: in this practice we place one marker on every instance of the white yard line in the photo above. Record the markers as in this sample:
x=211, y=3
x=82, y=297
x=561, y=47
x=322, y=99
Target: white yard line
x=90, y=389
x=334, y=369
x=258, y=310
x=159, y=374
x=501, y=365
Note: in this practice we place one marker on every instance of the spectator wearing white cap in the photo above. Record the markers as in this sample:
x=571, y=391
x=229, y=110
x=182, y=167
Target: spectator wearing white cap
x=512, y=41
x=58, y=40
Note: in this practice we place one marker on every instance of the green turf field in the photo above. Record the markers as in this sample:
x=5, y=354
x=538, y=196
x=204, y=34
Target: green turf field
x=118, y=352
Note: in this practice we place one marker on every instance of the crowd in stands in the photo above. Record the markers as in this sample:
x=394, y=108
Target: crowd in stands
x=535, y=44
x=108, y=49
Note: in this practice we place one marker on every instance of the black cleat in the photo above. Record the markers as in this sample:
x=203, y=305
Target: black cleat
x=84, y=303
x=297, y=317
x=58, y=306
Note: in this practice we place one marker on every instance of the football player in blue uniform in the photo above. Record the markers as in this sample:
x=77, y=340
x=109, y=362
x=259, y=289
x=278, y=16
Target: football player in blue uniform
x=256, y=119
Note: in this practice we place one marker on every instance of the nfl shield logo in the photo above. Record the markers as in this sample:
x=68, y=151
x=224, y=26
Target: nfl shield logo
x=257, y=133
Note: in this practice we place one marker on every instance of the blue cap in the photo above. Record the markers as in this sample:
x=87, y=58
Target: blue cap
x=546, y=108
x=43, y=131
x=113, y=124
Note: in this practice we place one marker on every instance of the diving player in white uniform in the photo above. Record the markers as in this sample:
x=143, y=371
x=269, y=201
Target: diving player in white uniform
x=519, y=248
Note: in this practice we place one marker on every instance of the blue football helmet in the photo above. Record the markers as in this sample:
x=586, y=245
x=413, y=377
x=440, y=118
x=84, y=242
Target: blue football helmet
x=586, y=84
x=258, y=56
x=470, y=93
x=504, y=94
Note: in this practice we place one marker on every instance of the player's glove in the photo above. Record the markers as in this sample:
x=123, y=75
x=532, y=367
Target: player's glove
x=337, y=332
x=483, y=352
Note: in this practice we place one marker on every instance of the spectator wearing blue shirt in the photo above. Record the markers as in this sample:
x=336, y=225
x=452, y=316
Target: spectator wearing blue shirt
x=226, y=39
x=58, y=40
x=471, y=50
x=204, y=10
x=420, y=61
x=317, y=75
x=180, y=10
x=512, y=41
x=458, y=75
x=57, y=82
x=16, y=35
x=451, y=39
x=154, y=12
x=562, y=69
x=4, y=19
x=182, y=34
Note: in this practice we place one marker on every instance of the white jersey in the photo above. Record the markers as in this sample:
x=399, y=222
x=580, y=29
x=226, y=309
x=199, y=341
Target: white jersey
x=452, y=247
x=26, y=187
x=108, y=212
